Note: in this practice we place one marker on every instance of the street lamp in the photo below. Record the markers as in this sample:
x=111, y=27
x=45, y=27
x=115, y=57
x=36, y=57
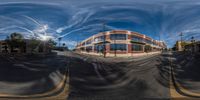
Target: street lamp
x=115, y=45
x=104, y=40
x=59, y=39
x=192, y=40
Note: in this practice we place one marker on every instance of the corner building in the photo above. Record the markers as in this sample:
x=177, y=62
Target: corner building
x=119, y=43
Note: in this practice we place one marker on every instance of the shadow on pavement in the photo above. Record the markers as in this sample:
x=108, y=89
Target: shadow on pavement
x=96, y=80
x=164, y=70
x=187, y=70
x=31, y=74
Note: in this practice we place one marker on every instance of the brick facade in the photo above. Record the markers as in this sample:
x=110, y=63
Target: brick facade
x=107, y=43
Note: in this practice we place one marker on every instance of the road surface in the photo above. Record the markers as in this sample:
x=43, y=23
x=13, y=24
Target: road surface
x=98, y=78
x=31, y=76
x=94, y=78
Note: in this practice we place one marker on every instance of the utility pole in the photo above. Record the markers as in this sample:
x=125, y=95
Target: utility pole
x=181, y=35
x=192, y=40
x=160, y=42
x=59, y=39
x=104, y=44
x=115, y=45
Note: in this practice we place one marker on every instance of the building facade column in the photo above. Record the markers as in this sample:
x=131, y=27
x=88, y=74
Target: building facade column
x=143, y=47
x=107, y=48
x=129, y=48
x=107, y=38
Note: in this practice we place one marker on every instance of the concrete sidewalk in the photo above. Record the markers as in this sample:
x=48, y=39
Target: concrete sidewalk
x=121, y=55
x=118, y=59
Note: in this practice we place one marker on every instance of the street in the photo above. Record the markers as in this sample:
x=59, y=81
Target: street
x=115, y=79
x=31, y=76
x=186, y=72
x=98, y=78
x=127, y=78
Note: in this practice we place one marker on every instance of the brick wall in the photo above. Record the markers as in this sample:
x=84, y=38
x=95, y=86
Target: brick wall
x=129, y=48
x=107, y=48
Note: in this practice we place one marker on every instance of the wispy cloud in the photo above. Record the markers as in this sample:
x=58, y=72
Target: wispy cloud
x=74, y=18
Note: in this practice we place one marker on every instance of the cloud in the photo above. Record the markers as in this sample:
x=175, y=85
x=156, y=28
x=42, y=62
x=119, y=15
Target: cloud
x=75, y=19
x=70, y=43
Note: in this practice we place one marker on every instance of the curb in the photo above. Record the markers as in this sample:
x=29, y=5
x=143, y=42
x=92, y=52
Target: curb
x=182, y=92
x=59, y=88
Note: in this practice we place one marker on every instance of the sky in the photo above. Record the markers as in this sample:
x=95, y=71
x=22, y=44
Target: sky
x=76, y=20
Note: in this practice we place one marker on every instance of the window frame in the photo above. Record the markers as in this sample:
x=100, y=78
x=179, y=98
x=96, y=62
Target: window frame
x=118, y=37
x=118, y=47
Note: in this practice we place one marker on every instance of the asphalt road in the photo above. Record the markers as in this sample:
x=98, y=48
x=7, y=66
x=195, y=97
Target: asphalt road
x=30, y=75
x=187, y=71
x=95, y=78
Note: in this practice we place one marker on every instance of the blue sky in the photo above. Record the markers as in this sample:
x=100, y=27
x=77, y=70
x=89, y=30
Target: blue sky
x=75, y=20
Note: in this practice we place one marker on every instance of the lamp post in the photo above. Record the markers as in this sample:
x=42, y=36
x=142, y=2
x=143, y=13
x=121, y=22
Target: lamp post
x=115, y=46
x=104, y=40
x=59, y=39
x=181, y=35
x=192, y=40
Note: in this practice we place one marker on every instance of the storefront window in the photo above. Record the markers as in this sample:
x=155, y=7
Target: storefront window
x=89, y=48
x=99, y=48
x=136, y=47
x=137, y=39
x=148, y=41
x=121, y=47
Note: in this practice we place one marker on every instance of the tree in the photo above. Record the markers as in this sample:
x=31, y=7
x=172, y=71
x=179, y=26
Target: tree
x=34, y=44
x=16, y=36
x=51, y=44
x=16, y=40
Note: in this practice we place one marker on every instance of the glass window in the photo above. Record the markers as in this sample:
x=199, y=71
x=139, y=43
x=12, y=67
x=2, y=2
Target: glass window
x=99, y=48
x=88, y=42
x=136, y=47
x=149, y=41
x=83, y=44
x=101, y=38
x=118, y=36
x=89, y=49
x=137, y=39
x=121, y=47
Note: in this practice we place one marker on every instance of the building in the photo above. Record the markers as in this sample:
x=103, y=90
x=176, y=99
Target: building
x=193, y=47
x=30, y=46
x=119, y=43
x=4, y=47
x=179, y=47
x=188, y=46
